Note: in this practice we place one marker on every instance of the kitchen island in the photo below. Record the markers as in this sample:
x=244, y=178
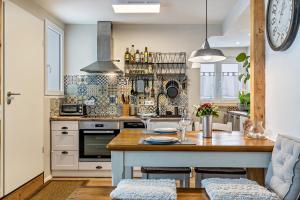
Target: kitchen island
x=222, y=150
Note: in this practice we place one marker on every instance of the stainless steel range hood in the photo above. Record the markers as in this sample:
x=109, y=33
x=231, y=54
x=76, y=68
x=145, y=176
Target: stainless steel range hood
x=104, y=63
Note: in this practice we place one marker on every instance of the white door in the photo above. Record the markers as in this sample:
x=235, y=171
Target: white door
x=23, y=117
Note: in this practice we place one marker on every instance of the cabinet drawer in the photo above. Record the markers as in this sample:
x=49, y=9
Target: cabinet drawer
x=94, y=165
x=64, y=125
x=65, y=140
x=64, y=160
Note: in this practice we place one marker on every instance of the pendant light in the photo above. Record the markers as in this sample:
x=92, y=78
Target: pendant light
x=206, y=54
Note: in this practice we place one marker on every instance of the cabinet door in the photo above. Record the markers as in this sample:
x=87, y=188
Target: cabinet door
x=64, y=160
x=65, y=140
x=64, y=126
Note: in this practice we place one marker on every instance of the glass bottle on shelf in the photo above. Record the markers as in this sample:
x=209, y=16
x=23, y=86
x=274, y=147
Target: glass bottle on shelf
x=127, y=56
x=137, y=56
x=146, y=55
x=132, y=54
x=150, y=58
x=142, y=58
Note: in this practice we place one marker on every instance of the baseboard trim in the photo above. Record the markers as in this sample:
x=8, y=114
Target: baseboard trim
x=27, y=189
x=48, y=178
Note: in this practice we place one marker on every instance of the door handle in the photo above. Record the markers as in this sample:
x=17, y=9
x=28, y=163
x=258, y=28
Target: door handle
x=10, y=96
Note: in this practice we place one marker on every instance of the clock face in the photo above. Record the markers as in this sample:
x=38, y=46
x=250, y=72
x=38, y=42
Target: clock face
x=282, y=23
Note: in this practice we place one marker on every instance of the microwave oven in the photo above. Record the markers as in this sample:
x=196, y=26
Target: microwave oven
x=72, y=110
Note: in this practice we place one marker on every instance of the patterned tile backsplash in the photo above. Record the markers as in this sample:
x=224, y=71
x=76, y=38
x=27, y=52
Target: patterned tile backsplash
x=107, y=90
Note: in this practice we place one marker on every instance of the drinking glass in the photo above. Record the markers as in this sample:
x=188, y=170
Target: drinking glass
x=146, y=118
x=184, y=123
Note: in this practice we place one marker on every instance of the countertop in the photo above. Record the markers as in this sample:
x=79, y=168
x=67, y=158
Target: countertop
x=121, y=118
x=129, y=140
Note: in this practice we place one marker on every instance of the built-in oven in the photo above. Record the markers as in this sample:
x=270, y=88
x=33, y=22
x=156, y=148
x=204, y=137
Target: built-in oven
x=93, y=139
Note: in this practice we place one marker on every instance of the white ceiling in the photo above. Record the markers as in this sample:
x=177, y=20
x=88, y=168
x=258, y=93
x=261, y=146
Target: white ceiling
x=172, y=12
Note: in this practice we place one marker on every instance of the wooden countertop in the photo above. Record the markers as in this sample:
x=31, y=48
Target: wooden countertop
x=92, y=193
x=128, y=140
x=121, y=118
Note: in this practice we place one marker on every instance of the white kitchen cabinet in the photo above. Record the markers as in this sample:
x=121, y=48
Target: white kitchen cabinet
x=65, y=145
x=64, y=160
x=64, y=126
x=65, y=140
x=94, y=165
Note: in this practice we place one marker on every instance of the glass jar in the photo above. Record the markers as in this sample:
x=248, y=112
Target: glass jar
x=256, y=130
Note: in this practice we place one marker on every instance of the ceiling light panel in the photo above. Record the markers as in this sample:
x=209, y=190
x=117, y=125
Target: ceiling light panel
x=136, y=6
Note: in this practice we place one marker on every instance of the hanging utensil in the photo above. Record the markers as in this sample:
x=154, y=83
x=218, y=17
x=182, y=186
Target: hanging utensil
x=152, y=89
x=147, y=88
x=172, y=89
x=135, y=90
x=132, y=90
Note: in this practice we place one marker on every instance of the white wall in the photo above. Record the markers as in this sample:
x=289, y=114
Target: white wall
x=81, y=41
x=38, y=11
x=282, y=90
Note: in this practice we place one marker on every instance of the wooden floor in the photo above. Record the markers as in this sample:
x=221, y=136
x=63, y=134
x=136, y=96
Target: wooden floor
x=94, y=182
x=100, y=188
x=102, y=193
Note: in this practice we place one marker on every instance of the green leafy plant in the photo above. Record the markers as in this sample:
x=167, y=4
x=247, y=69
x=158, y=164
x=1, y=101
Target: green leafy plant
x=245, y=100
x=243, y=58
x=207, y=109
x=244, y=77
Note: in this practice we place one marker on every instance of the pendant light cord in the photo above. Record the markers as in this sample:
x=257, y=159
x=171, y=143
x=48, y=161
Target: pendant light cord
x=206, y=19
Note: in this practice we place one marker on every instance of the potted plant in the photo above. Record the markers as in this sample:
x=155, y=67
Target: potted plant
x=207, y=111
x=244, y=101
x=244, y=77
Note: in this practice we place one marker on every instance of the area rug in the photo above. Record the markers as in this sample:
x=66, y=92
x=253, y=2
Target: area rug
x=57, y=190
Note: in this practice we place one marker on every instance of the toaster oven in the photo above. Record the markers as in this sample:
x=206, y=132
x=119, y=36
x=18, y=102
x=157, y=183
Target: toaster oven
x=72, y=110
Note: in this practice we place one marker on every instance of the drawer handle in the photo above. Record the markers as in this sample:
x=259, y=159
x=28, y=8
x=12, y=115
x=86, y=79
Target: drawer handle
x=98, y=167
x=65, y=133
x=64, y=152
x=64, y=127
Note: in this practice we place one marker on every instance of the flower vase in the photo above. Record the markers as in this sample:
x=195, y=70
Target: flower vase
x=207, y=126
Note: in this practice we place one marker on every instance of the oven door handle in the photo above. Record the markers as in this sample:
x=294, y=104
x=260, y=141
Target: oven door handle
x=98, y=132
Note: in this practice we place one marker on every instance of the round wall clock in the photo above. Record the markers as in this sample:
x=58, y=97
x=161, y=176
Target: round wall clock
x=283, y=17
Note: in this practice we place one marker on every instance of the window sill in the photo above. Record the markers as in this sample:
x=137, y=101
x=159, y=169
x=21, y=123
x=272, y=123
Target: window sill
x=222, y=103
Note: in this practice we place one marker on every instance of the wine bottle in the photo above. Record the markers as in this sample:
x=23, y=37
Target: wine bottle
x=137, y=56
x=132, y=54
x=142, y=57
x=146, y=55
x=150, y=58
x=127, y=56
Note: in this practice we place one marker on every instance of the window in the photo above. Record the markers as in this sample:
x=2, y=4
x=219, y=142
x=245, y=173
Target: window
x=219, y=81
x=54, y=40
